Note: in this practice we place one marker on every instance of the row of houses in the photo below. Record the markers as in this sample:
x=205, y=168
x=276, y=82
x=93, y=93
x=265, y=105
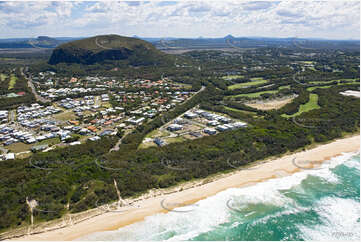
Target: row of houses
x=212, y=116
x=8, y=156
x=207, y=115
x=135, y=121
x=32, y=107
x=12, y=95
x=10, y=136
x=69, y=103
x=39, y=122
x=4, y=114
x=61, y=92
x=105, y=97
x=231, y=126
x=160, y=101
x=107, y=118
x=175, y=127
x=35, y=111
x=215, y=121
x=141, y=83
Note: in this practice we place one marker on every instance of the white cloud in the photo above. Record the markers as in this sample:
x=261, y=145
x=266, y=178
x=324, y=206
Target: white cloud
x=334, y=19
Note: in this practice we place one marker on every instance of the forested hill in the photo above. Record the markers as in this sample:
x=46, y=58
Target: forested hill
x=108, y=48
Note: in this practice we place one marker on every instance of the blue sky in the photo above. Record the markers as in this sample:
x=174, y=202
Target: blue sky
x=206, y=18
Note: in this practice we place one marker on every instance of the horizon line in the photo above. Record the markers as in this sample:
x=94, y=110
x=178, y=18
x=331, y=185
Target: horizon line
x=200, y=37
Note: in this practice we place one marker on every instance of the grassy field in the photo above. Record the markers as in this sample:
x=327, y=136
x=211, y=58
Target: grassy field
x=49, y=142
x=24, y=155
x=310, y=89
x=255, y=81
x=232, y=77
x=7, y=59
x=322, y=82
x=350, y=80
x=147, y=145
x=21, y=147
x=238, y=110
x=12, y=82
x=312, y=68
x=106, y=105
x=284, y=87
x=325, y=82
x=65, y=116
x=310, y=105
x=175, y=140
x=183, y=85
x=157, y=133
x=3, y=76
x=255, y=94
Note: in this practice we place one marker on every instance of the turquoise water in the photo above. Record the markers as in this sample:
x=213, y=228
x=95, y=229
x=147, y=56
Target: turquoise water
x=322, y=204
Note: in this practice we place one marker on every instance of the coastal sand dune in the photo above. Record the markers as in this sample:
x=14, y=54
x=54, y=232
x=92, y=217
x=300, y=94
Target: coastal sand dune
x=262, y=171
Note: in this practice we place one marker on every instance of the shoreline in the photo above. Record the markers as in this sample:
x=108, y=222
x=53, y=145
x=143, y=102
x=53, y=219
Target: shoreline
x=182, y=195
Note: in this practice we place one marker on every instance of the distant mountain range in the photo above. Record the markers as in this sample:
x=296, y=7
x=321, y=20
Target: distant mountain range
x=228, y=41
x=39, y=42
x=255, y=42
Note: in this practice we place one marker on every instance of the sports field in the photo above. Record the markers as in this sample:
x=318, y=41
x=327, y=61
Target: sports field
x=255, y=81
x=310, y=105
x=12, y=82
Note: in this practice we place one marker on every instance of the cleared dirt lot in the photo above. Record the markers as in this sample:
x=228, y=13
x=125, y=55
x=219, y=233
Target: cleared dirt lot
x=268, y=105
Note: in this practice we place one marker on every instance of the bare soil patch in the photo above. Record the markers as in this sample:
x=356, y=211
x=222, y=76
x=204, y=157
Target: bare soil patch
x=272, y=104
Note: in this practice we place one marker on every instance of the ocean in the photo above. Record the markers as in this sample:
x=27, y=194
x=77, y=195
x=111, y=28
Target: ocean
x=318, y=204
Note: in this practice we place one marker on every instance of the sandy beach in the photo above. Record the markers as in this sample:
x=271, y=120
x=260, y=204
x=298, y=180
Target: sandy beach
x=262, y=171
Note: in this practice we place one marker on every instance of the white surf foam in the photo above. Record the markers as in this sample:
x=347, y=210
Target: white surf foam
x=341, y=220
x=213, y=211
x=353, y=162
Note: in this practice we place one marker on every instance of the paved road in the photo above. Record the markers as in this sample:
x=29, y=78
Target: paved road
x=197, y=123
x=97, y=101
x=294, y=79
x=4, y=151
x=12, y=115
x=116, y=146
x=37, y=96
x=165, y=124
x=31, y=86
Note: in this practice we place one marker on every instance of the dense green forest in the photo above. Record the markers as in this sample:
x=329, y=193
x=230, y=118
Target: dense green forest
x=77, y=178
x=81, y=175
